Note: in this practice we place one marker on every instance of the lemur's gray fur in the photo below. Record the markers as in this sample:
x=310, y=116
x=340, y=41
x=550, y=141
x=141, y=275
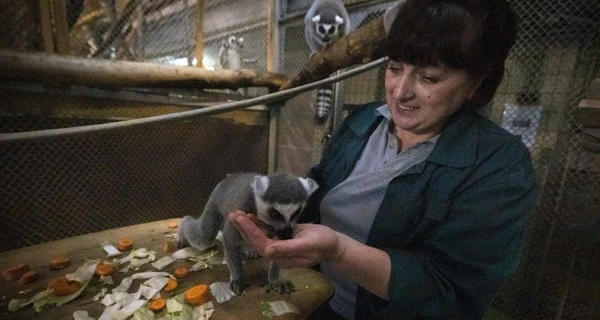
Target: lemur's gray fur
x=276, y=199
x=325, y=22
x=230, y=53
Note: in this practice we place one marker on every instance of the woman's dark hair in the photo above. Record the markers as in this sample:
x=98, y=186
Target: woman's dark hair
x=473, y=35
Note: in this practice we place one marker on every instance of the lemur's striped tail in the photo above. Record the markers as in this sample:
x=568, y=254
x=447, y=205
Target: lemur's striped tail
x=323, y=105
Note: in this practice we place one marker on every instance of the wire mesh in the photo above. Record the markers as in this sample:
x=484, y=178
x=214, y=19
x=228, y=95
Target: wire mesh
x=62, y=187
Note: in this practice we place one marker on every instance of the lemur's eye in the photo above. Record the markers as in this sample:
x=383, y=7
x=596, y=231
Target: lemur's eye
x=275, y=215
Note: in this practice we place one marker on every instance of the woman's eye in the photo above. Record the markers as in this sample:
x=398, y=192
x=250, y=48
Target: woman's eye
x=429, y=79
x=395, y=70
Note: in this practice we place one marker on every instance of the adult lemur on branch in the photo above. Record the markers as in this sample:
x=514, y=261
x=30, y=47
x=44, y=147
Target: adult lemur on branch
x=325, y=22
x=277, y=199
x=229, y=53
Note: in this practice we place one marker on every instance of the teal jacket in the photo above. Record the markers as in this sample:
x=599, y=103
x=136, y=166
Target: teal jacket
x=453, y=225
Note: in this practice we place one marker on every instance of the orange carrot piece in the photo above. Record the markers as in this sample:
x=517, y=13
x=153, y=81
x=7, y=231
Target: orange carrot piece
x=197, y=295
x=172, y=225
x=169, y=247
x=171, y=285
x=28, y=277
x=181, y=272
x=105, y=269
x=157, y=305
x=60, y=262
x=63, y=287
x=125, y=244
x=15, y=272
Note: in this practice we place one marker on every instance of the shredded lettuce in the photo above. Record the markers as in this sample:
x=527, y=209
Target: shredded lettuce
x=111, y=251
x=276, y=308
x=109, y=311
x=162, y=262
x=82, y=315
x=185, y=253
x=144, y=313
x=204, y=261
x=85, y=272
x=128, y=310
x=221, y=291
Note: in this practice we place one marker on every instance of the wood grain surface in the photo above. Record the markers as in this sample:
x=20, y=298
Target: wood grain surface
x=312, y=288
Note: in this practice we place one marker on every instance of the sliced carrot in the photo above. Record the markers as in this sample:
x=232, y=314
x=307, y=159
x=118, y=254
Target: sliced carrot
x=197, y=295
x=181, y=272
x=172, y=225
x=169, y=247
x=157, y=305
x=125, y=244
x=28, y=277
x=105, y=269
x=15, y=272
x=63, y=287
x=60, y=262
x=171, y=285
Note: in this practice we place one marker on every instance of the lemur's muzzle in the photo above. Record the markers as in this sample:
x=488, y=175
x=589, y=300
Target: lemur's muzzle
x=285, y=233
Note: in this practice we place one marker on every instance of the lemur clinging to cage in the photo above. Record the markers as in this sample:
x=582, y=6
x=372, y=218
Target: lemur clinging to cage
x=325, y=22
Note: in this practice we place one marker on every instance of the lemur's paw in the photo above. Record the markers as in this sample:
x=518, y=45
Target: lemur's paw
x=283, y=287
x=237, y=286
x=250, y=254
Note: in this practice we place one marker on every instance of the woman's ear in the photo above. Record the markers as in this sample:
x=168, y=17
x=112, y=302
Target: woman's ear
x=476, y=82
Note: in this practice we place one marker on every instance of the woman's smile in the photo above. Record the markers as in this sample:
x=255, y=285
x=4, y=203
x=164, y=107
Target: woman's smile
x=421, y=99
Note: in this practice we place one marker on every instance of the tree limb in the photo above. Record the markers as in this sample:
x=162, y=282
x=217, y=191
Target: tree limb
x=53, y=69
x=361, y=46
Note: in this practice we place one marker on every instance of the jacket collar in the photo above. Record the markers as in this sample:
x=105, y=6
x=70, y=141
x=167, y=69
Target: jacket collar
x=455, y=147
x=367, y=118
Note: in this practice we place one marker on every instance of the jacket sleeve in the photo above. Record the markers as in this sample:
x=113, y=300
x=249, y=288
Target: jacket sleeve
x=458, y=267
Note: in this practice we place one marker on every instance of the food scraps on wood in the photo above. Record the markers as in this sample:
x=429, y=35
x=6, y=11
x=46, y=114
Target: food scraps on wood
x=15, y=272
x=60, y=262
x=197, y=295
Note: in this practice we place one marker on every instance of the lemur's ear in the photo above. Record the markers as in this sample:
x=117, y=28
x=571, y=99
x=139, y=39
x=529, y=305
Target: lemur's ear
x=260, y=184
x=309, y=185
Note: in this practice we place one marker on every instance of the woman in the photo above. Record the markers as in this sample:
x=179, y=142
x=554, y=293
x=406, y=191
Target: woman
x=423, y=203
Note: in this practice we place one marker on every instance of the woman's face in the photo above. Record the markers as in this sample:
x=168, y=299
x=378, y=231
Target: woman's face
x=421, y=99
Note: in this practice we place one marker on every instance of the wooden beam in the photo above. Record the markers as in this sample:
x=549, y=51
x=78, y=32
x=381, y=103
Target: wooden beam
x=46, y=25
x=199, y=32
x=59, y=105
x=272, y=66
x=62, y=71
x=272, y=36
x=61, y=27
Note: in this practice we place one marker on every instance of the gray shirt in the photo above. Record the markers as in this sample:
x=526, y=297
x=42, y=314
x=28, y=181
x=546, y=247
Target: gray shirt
x=351, y=206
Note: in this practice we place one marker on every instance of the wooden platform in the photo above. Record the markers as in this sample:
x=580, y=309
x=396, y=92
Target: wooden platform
x=312, y=288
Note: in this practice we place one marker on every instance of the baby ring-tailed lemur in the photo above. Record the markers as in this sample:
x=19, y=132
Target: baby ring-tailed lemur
x=276, y=199
x=325, y=22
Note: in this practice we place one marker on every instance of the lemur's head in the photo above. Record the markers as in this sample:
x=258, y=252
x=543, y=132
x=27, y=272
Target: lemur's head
x=235, y=42
x=327, y=26
x=280, y=199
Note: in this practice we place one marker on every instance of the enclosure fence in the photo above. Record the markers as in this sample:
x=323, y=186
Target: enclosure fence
x=64, y=186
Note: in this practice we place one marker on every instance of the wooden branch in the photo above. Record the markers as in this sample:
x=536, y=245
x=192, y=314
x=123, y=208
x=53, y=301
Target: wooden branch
x=361, y=46
x=62, y=70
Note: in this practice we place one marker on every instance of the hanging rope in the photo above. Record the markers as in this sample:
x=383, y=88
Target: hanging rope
x=173, y=117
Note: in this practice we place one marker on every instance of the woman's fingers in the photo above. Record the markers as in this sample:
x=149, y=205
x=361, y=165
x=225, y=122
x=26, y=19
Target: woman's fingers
x=251, y=232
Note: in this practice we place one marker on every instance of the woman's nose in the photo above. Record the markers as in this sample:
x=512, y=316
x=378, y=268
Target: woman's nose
x=404, y=87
